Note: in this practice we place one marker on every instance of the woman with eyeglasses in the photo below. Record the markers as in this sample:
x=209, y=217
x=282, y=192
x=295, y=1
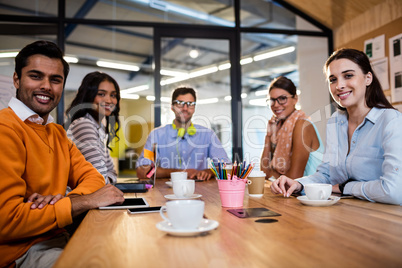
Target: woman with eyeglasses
x=93, y=121
x=363, y=155
x=293, y=145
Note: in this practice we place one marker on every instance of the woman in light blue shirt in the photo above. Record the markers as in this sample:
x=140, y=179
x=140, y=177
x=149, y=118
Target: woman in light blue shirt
x=363, y=156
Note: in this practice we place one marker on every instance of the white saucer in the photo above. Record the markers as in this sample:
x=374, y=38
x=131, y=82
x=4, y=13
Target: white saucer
x=173, y=197
x=169, y=183
x=205, y=226
x=318, y=203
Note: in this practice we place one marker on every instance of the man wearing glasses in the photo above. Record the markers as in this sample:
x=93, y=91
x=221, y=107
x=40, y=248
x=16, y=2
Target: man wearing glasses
x=182, y=145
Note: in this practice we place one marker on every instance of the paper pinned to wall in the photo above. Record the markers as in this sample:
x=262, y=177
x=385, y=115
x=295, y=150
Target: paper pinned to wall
x=375, y=47
x=380, y=67
x=395, y=63
x=7, y=90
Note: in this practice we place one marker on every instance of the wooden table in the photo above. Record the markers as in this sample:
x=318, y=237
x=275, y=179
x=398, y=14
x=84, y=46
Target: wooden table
x=351, y=233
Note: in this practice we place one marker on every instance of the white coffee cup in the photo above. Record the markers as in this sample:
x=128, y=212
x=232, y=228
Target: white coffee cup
x=318, y=191
x=183, y=214
x=180, y=175
x=183, y=188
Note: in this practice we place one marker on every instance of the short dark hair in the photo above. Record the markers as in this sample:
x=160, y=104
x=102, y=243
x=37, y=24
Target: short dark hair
x=86, y=95
x=284, y=83
x=375, y=96
x=42, y=47
x=183, y=91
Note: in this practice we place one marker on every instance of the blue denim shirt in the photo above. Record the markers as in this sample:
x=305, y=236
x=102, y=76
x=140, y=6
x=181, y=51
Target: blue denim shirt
x=374, y=159
x=189, y=152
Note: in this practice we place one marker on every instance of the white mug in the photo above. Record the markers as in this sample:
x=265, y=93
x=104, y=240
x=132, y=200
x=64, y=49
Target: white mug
x=183, y=188
x=180, y=175
x=318, y=191
x=183, y=214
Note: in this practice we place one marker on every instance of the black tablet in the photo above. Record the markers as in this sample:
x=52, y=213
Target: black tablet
x=132, y=187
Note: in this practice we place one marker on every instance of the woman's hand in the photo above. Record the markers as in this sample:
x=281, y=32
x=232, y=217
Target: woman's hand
x=335, y=189
x=39, y=201
x=286, y=186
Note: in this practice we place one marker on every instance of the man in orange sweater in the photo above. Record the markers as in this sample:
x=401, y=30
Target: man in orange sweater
x=37, y=164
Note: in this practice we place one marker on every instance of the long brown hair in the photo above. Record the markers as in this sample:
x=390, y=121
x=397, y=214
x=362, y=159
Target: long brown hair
x=86, y=94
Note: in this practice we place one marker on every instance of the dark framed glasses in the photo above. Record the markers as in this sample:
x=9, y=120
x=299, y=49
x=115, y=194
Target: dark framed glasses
x=281, y=100
x=180, y=104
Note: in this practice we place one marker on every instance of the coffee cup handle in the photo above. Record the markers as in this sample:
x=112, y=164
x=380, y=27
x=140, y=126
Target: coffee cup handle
x=322, y=194
x=185, y=190
x=163, y=209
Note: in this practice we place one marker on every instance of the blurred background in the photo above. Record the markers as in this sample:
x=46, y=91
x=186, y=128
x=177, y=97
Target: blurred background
x=228, y=50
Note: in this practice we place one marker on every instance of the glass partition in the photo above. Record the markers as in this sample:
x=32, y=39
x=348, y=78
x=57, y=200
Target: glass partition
x=9, y=48
x=130, y=42
x=203, y=65
x=184, y=12
x=262, y=64
x=125, y=53
x=37, y=8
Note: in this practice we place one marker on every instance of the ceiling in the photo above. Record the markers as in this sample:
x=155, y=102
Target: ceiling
x=133, y=44
x=334, y=13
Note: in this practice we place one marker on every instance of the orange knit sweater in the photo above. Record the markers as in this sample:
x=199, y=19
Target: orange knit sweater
x=37, y=159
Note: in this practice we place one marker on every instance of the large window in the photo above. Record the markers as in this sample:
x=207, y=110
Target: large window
x=261, y=64
x=36, y=8
x=9, y=47
x=202, y=64
x=125, y=53
x=182, y=12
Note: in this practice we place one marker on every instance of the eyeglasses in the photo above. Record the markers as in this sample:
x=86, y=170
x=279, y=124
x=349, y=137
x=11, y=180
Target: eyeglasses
x=281, y=100
x=180, y=104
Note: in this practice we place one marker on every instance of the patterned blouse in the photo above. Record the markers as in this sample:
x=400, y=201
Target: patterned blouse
x=90, y=138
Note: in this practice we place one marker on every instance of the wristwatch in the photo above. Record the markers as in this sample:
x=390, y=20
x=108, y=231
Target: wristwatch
x=342, y=185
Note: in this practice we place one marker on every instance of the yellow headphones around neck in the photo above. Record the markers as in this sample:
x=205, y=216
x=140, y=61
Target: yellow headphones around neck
x=182, y=131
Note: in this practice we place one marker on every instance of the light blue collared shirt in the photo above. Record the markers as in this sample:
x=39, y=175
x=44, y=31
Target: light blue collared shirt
x=315, y=157
x=24, y=113
x=374, y=159
x=189, y=152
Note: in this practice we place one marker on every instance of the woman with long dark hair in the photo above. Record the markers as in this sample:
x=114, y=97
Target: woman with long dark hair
x=364, y=139
x=93, y=121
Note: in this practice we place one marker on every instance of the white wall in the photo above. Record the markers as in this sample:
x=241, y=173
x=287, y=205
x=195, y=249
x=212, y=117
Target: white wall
x=314, y=99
